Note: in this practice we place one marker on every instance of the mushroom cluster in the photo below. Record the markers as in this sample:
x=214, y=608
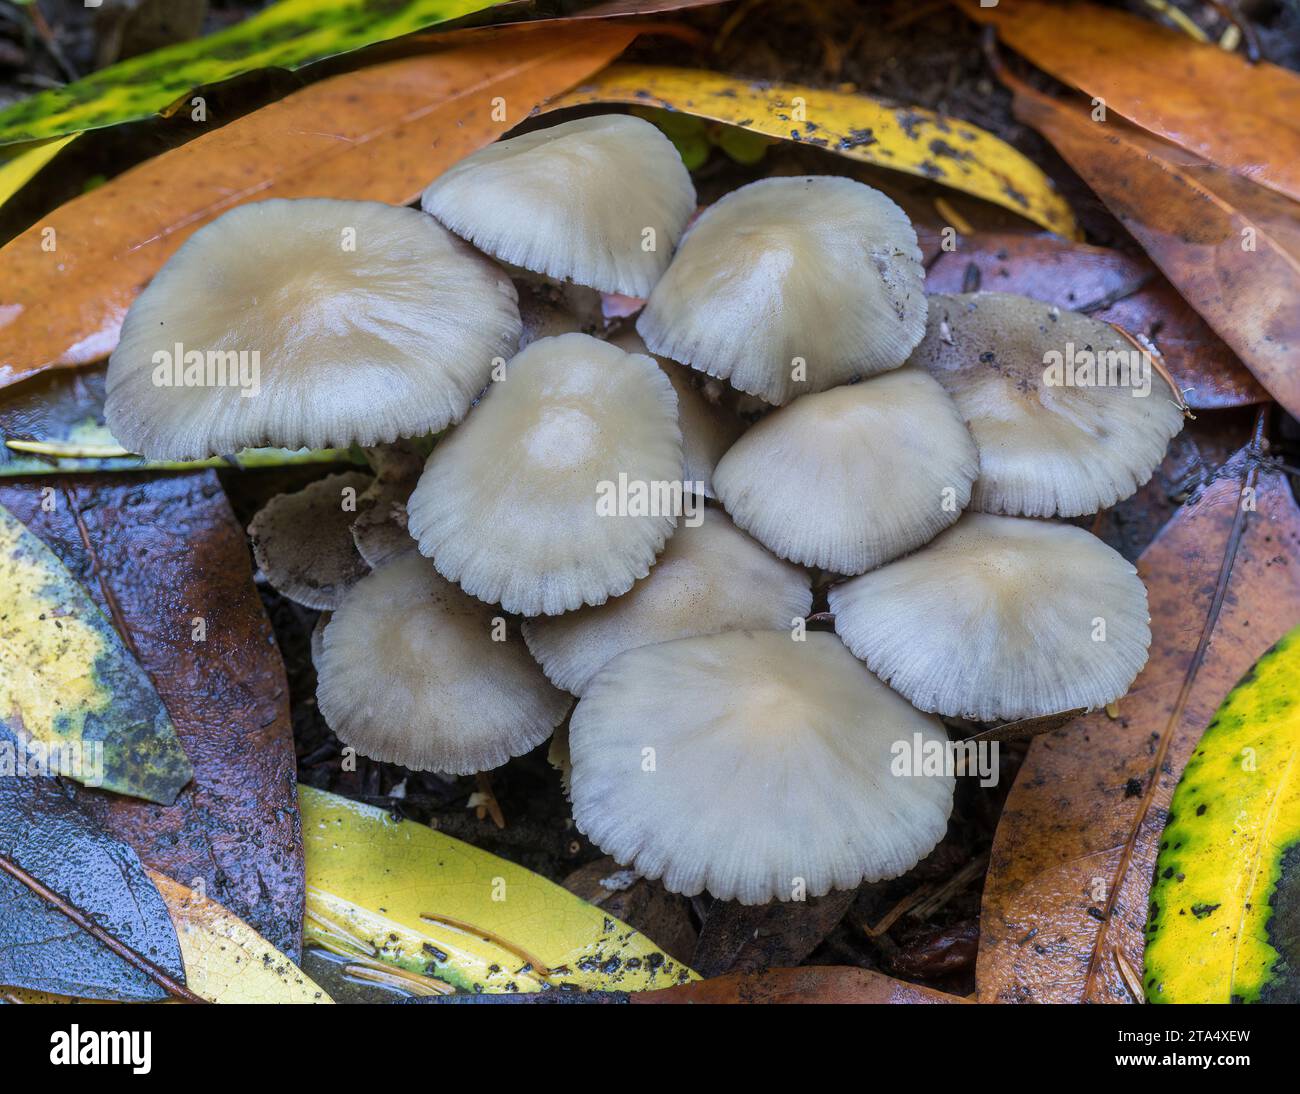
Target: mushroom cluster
x=584, y=527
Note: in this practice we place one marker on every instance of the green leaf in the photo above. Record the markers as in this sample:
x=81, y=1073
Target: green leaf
x=1224, y=920
x=401, y=894
x=287, y=35
x=73, y=700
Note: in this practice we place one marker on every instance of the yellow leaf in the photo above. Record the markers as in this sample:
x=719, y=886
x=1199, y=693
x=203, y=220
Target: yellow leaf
x=1227, y=886
x=73, y=699
x=406, y=895
x=226, y=961
x=910, y=139
x=19, y=168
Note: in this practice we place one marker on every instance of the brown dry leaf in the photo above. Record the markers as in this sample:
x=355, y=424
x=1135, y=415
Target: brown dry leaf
x=379, y=133
x=1212, y=102
x=159, y=555
x=1231, y=248
x=810, y=984
x=1065, y=900
x=1110, y=286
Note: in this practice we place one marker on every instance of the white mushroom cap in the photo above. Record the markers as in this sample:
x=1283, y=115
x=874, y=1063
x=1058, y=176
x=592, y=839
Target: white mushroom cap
x=817, y=269
x=303, y=541
x=711, y=578
x=771, y=765
x=1001, y=618
x=1045, y=448
x=368, y=323
x=513, y=505
x=708, y=430
x=573, y=201
x=409, y=672
x=849, y=478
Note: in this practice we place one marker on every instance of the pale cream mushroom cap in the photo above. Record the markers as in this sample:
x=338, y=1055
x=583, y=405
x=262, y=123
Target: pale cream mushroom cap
x=303, y=541
x=711, y=578
x=370, y=322
x=1046, y=449
x=1001, y=618
x=849, y=478
x=573, y=201
x=409, y=673
x=513, y=505
x=708, y=430
x=815, y=269
x=771, y=767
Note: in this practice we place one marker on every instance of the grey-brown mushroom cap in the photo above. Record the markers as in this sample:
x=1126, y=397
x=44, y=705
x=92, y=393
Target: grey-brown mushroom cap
x=849, y=478
x=791, y=285
x=310, y=322
x=1001, y=618
x=754, y=766
x=303, y=543
x=413, y=671
x=557, y=490
x=708, y=430
x=1048, y=446
x=600, y=201
x=710, y=578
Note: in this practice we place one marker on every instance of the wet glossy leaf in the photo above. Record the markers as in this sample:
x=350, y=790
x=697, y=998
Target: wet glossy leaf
x=1065, y=900
x=379, y=133
x=49, y=839
x=289, y=34
x=73, y=699
x=910, y=139
x=1226, y=895
x=1209, y=100
x=405, y=895
x=168, y=559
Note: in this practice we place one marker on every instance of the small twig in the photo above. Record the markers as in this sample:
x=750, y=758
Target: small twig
x=46, y=35
x=955, y=884
x=898, y=910
x=135, y=960
x=1229, y=13
x=488, y=936
x=489, y=803
x=402, y=979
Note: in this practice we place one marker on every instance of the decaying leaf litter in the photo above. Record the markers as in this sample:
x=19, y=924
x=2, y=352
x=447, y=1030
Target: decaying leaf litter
x=881, y=928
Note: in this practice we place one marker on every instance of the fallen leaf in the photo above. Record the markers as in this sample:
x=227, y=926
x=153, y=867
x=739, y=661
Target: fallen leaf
x=46, y=840
x=168, y=561
x=1231, y=248
x=405, y=895
x=748, y=938
x=1110, y=286
x=810, y=984
x=650, y=908
x=287, y=35
x=1224, y=903
x=1065, y=900
x=1211, y=101
x=24, y=163
x=910, y=139
x=380, y=133
x=226, y=961
x=73, y=699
